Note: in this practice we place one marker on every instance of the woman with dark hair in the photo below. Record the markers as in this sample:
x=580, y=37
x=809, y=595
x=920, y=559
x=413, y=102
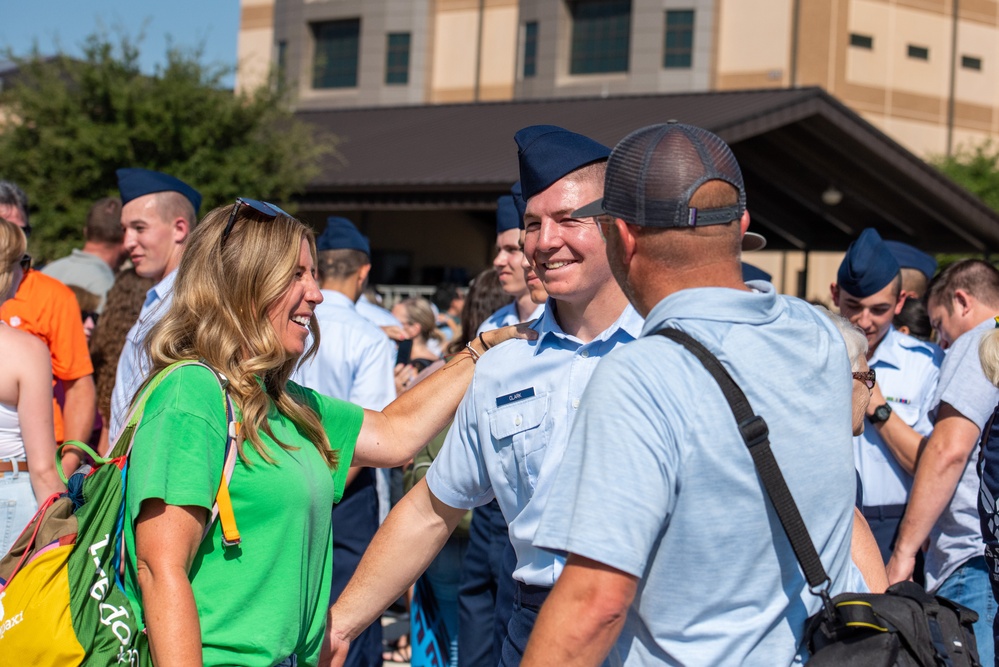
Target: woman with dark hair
x=243, y=303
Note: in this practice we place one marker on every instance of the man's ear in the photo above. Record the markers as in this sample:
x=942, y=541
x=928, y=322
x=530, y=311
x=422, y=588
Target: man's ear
x=963, y=301
x=834, y=291
x=181, y=229
x=629, y=241
x=902, y=296
x=362, y=275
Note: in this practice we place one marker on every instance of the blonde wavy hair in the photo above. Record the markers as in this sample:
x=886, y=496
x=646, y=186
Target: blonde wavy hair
x=219, y=314
x=13, y=244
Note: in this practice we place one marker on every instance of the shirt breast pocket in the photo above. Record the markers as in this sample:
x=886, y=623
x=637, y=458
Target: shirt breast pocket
x=520, y=431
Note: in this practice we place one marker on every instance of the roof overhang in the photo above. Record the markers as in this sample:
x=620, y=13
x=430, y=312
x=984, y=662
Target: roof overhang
x=793, y=146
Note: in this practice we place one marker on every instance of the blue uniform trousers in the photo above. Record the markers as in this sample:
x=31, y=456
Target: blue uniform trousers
x=485, y=599
x=527, y=604
x=355, y=520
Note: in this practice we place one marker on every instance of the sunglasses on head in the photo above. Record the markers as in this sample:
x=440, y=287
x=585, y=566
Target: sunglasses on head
x=26, y=262
x=265, y=209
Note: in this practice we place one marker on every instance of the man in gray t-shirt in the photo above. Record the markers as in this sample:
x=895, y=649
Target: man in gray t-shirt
x=943, y=503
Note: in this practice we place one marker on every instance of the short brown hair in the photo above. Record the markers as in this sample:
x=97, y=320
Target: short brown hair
x=974, y=276
x=104, y=221
x=341, y=263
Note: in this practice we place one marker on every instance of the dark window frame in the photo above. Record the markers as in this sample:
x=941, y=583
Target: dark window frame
x=918, y=52
x=678, y=39
x=530, y=65
x=862, y=41
x=397, y=58
x=601, y=36
x=971, y=62
x=337, y=55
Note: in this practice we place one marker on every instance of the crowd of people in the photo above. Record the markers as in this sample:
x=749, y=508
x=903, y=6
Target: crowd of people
x=576, y=491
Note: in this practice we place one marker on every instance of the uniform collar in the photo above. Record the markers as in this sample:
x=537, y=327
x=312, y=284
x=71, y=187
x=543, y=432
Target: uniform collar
x=550, y=333
x=337, y=299
x=716, y=304
x=887, y=351
x=160, y=289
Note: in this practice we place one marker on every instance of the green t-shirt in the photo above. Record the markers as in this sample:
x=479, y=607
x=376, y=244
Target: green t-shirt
x=265, y=599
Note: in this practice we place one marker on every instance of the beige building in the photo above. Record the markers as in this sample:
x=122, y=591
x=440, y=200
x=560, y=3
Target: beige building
x=925, y=72
x=926, y=77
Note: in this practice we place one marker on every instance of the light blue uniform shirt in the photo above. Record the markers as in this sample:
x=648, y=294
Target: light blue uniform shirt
x=957, y=535
x=376, y=314
x=134, y=363
x=506, y=316
x=355, y=361
x=658, y=483
x=908, y=370
x=511, y=429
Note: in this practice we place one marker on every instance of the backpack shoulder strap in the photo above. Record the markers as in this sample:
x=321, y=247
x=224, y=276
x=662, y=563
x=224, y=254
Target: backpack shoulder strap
x=756, y=435
x=222, y=509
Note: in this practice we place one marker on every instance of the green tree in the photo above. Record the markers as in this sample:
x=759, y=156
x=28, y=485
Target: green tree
x=976, y=169
x=67, y=124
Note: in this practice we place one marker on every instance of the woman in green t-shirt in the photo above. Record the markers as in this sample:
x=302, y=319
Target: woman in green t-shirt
x=243, y=303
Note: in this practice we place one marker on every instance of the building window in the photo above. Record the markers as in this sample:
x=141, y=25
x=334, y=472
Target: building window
x=337, y=46
x=679, y=44
x=861, y=41
x=530, y=49
x=397, y=59
x=282, y=59
x=601, y=36
x=919, y=52
x=970, y=62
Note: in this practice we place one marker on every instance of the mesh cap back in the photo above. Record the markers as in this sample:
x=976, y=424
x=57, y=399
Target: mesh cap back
x=653, y=172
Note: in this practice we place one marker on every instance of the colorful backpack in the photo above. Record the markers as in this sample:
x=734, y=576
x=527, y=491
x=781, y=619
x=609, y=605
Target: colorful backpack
x=62, y=597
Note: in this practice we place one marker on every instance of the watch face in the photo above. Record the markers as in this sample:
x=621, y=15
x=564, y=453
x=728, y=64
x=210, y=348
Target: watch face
x=882, y=413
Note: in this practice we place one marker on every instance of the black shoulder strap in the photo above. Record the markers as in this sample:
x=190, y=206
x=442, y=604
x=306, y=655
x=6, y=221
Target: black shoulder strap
x=756, y=436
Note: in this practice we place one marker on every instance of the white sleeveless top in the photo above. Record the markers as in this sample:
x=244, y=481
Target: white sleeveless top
x=11, y=443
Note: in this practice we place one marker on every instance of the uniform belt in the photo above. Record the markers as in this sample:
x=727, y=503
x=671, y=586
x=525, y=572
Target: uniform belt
x=8, y=466
x=532, y=596
x=879, y=512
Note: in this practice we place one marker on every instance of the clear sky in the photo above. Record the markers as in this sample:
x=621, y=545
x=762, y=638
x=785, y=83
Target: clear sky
x=62, y=25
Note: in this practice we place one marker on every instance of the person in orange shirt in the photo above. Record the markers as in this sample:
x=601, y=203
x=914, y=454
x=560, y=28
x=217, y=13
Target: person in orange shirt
x=46, y=308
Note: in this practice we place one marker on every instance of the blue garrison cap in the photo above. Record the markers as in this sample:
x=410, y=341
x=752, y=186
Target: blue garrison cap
x=547, y=153
x=341, y=234
x=750, y=272
x=518, y=201
x=134, y=183
x=912, y=258
x=506, y=215
x=867, y=267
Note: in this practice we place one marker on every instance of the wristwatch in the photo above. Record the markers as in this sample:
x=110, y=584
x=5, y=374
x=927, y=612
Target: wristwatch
x=881, y=414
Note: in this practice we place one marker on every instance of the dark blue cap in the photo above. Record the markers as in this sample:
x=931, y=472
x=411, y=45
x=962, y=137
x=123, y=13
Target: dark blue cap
x=912, y=258
x=506, y=215
x=341, y=234
x=134, y=183
x=547, y=153
x=868, y=266
x=750, y=272
x=518, y=201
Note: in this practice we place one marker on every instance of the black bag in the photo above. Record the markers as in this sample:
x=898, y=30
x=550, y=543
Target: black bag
x=905, y=626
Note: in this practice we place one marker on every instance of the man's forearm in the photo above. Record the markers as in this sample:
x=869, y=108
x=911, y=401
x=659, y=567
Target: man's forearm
x=401, y=550
x=79, y=408
x=904, y=443
x=937, y=476
x=582, y=617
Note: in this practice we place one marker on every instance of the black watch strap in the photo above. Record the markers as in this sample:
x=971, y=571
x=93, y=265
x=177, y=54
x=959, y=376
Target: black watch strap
x=881, y=414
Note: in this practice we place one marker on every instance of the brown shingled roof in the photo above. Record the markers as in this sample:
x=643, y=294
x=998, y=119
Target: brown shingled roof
x=792, y=145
